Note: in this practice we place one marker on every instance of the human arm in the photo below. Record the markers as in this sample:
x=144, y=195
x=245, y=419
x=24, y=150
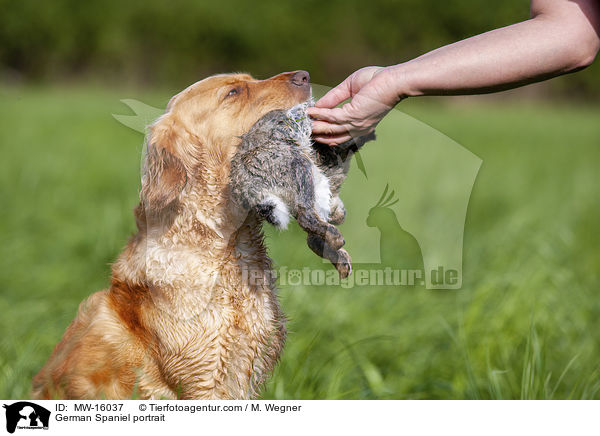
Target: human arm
x=562, y=36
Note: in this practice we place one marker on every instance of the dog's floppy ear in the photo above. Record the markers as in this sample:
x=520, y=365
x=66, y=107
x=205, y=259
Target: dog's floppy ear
x=164, y=178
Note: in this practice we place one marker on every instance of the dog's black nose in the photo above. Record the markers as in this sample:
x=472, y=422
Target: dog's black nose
x=300, y=78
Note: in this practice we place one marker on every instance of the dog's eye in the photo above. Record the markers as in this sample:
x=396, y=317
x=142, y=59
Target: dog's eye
x=232, y=92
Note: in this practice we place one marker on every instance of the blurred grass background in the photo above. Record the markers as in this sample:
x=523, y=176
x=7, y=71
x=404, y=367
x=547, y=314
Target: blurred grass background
x=177, y=42
x=524, y=325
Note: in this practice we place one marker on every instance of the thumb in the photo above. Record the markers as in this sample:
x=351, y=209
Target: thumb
x=335, y=96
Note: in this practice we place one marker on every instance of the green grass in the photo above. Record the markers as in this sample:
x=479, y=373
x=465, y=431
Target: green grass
x=526, y=323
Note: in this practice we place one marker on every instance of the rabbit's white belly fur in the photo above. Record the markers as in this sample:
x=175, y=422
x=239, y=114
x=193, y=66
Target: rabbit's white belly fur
x=322, y=194
x=322, y=201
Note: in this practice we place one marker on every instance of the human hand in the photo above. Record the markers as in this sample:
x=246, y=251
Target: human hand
x=373, y=95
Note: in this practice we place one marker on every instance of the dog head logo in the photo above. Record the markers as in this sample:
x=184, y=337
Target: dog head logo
x=26, y=415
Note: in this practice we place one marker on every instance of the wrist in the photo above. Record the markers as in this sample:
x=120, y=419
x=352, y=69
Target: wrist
x=402, y=82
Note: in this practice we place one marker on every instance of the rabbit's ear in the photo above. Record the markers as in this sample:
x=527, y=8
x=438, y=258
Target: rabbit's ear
x=164, y=178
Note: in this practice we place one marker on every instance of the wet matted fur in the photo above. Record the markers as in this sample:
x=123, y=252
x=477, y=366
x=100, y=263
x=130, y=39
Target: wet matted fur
x=179, y=320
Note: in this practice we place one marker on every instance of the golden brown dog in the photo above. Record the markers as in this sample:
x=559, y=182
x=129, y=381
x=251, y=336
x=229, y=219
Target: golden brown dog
x=180, y=320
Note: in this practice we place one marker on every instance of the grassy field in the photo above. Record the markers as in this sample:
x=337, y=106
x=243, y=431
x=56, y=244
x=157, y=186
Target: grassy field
x=526, y=323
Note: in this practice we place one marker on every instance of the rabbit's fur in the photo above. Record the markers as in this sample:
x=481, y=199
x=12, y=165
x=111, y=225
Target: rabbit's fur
x=278, y=171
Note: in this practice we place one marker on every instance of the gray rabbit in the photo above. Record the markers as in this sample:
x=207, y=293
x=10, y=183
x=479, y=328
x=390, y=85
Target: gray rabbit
x=278, y=171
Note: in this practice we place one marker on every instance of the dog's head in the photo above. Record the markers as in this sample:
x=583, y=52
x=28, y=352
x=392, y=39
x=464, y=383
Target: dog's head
x=194, y=140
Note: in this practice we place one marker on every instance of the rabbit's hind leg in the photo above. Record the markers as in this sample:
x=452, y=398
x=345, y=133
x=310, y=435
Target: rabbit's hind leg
x=310, y=221
x=339, y=258
x=338, y=211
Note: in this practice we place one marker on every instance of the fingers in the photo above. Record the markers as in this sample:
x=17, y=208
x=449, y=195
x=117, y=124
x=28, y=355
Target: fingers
x=335, y=96
x=332, y=140
x=327, y=129
x=328, y=122
x=332, y=126
x=335, y=115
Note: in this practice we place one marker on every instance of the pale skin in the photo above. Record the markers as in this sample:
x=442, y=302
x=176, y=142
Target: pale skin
x=562, y=36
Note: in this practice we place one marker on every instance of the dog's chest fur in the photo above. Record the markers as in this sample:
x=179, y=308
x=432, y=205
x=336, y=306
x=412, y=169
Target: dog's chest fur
x=215, y=333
